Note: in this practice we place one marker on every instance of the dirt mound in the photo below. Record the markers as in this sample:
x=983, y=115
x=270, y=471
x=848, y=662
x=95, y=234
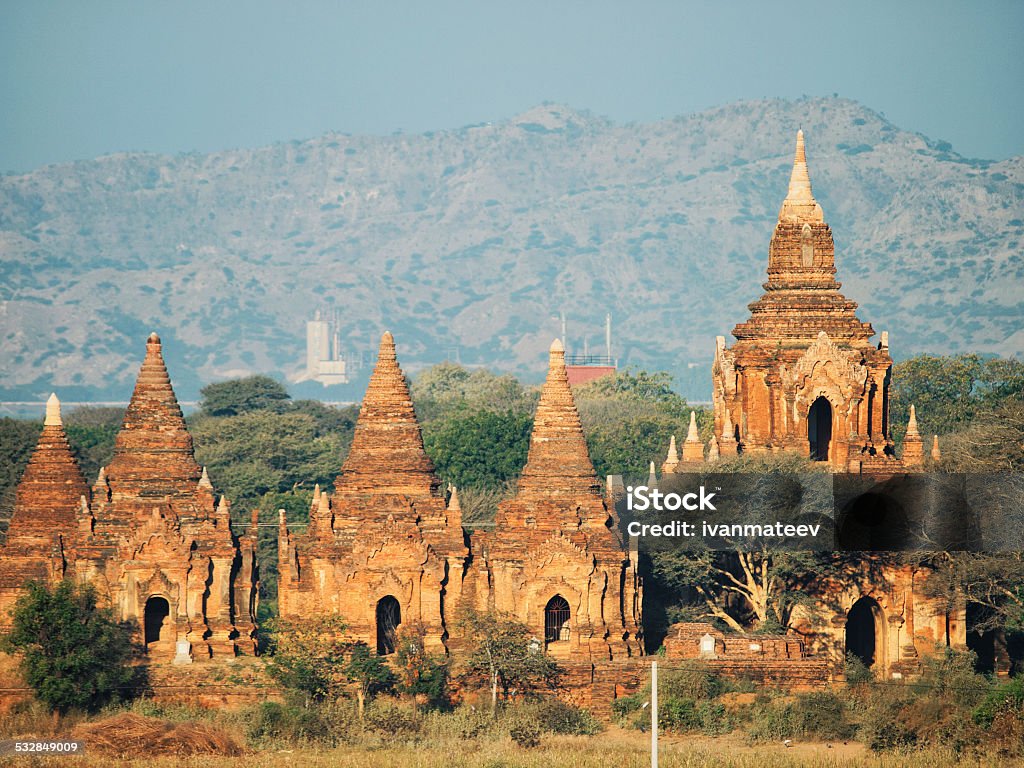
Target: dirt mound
x=138, y=736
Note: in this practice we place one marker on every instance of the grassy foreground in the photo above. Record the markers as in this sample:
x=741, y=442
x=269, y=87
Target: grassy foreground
x=615, y=748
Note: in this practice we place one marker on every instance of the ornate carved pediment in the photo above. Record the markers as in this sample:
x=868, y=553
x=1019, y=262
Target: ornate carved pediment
x=156, y=584
x=825, y=369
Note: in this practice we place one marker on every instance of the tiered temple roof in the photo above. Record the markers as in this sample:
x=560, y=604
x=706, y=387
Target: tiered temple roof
x=153, y=455
x=802, y=297
x=47, y=502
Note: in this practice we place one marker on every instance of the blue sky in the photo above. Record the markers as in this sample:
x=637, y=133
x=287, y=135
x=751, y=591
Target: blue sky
x=80, y=79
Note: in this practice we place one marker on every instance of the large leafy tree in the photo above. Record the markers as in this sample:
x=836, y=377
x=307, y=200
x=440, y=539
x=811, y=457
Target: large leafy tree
x=230, y=398
x=74, y=654
x=449, y=388
x=628, y=419
x=482, y=449
x=367, y=673
x=503, y=654
x=265, y=451
x=949, y=391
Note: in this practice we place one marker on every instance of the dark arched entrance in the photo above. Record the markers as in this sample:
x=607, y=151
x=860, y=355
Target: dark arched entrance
x=819, y=428
x=556, y=620
x=156, y=611
x=864, y=631
x=389, y=616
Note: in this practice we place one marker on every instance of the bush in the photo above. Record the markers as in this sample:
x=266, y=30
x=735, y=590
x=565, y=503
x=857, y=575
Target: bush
x=822, y=715
x=275, y=723
x=74, y=654
x=392, y=720
x=857, y=671
x=819, y=715
x=556, y=716
x=890, y=736
x=525, y=732
x=691, y=681
x=1007, y=699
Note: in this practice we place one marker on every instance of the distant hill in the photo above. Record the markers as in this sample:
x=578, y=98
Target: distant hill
x=470, y=242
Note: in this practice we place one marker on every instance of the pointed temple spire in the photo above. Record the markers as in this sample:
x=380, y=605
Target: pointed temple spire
x=153, y=450
x=558, y=463
x=204, y=481
x=453, y=500
x=52, y=418
x=48, y=497
x=913, y=445
x=454, y=508
x=912, y=430
x=693, y=448
x=936, y=453
x=672, y=459
x=387, y=453
x=800, y=205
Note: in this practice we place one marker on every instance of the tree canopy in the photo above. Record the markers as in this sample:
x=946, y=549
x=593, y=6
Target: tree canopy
x=235, y=396
x=74, y=654
x=503, y=654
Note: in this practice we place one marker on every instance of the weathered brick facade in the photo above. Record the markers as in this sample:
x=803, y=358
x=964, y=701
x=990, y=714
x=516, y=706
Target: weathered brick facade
x=386, y=534
x=557, y=540
x=803, y=375
x=384, y=548
x=148, y=536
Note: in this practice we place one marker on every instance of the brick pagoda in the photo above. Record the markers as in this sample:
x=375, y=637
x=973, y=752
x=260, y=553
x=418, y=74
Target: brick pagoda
x=384, y=549
x=803, y=375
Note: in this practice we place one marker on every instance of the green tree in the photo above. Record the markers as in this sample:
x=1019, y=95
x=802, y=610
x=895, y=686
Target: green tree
x=483, y=449
x=74, y=654
x=18, y=437
x=421, y=675
x=91, y=432
x=309, y=656
x=503, y=654
x=265, y=451
x=230, y=398
x=949, y=391
x=447, y=387
x=628, y=419
x=367, y=673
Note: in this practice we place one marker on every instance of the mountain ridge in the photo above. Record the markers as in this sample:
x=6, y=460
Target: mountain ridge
x=474, y=239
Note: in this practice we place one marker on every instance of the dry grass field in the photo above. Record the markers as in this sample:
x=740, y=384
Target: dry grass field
x=614, y=748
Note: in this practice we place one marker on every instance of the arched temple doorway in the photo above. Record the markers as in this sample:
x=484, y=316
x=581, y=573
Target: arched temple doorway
x=819, y=429
x=556, y=620
x=389, y=616
x=156, y=611
x=864, y=628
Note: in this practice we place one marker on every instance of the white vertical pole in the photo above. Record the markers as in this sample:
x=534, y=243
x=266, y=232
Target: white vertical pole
x=654, y=714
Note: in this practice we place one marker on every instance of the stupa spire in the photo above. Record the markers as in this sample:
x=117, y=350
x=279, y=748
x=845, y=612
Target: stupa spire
x=558, y=463
x=912, y=423
x=693, y=448
x=153, y=450
x=672, y=458
x=387, y=454
x=913, y=445
x=49, y=494
x=52, y=411
x=800, y=204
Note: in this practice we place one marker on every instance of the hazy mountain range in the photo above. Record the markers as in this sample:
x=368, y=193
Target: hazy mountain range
x=468, y=243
